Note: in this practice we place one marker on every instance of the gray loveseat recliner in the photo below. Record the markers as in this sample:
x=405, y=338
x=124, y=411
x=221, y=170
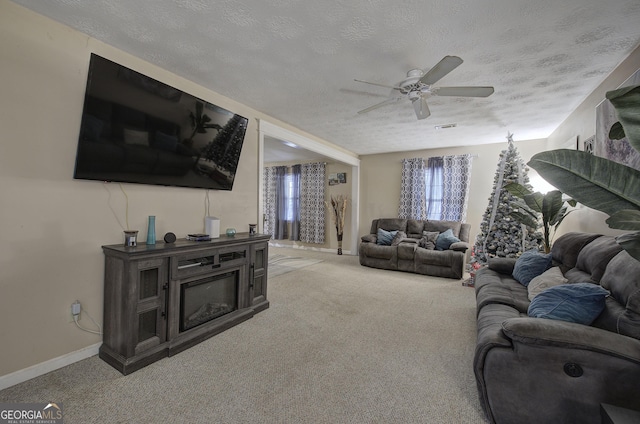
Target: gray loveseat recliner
x=537, y=370
x=408, y=255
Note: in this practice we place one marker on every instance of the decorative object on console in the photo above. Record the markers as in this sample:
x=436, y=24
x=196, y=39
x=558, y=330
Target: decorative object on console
x=151, y=230
x=253, y=229
x=231, y=232
x=212, y=226
x=169, y=237
x=130, y=238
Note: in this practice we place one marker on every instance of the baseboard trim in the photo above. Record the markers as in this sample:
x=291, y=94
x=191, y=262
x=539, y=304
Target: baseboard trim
x=42, y=368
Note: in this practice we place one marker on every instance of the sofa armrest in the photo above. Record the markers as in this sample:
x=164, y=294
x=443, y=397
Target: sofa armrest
x=459, y=246
x=369, y=238
x=547, y=332
x=502, y=265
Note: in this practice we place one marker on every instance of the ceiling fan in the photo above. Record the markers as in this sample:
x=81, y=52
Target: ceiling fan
x=418, y=86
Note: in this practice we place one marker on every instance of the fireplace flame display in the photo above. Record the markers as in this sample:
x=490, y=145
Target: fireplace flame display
x=205, y=300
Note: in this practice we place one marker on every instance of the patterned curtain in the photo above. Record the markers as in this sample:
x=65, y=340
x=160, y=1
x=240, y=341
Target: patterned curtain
x=280, y=230
x=413, y=190
x=312, y=185
x=456, y=180
x=269, y=200
x=295, y=202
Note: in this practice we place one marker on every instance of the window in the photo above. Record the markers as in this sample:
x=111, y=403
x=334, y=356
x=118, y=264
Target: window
x=292, y=197
x=434, y=185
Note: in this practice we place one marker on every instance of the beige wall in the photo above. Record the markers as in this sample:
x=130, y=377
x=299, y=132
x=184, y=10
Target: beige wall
x=52, y=226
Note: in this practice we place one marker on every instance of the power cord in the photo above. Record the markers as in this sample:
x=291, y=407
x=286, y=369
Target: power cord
x=76, y=313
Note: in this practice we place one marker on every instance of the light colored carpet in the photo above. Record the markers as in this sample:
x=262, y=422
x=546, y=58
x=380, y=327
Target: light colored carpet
x=341, y=343
x=281, y=264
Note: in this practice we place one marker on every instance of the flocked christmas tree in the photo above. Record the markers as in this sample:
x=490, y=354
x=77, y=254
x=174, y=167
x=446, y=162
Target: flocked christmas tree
x=500, y=235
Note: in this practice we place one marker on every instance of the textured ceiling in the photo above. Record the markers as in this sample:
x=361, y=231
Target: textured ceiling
x=296, y=60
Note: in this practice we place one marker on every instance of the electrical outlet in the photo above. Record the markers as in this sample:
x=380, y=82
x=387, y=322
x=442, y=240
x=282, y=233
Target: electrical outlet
x=75, y=310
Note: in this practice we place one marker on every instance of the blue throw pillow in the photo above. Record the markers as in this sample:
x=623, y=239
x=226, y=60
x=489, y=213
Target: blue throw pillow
x=529, y=265
x=385, y=237
x=446, y=239
x=580, y=303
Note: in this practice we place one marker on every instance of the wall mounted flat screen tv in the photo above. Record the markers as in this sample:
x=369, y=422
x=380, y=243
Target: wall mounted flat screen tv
x=136, y=129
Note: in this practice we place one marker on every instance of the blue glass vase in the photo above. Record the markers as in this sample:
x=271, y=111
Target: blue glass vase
x=151, y=230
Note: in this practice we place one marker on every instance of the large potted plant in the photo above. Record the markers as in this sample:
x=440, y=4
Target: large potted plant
x=530, y=206
x=600, y=183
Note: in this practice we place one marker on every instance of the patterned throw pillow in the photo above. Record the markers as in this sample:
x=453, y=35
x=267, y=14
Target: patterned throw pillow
x=580, y=303
x=385, y=237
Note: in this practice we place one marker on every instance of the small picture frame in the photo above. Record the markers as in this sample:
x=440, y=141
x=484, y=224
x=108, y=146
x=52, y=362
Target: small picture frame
x=342, y=177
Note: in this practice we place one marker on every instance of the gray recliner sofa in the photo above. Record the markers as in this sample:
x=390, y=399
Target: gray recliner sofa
x=538, y=370
x=408, y=256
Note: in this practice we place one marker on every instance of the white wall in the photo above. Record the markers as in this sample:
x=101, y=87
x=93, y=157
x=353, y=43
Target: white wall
x=53, y=226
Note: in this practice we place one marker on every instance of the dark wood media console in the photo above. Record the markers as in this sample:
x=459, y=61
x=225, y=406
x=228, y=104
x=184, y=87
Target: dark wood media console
x=161, y=299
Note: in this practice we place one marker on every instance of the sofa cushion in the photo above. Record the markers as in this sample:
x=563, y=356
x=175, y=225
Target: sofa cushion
x=385, y=237
x=550, y=278
x=622, y=311
x=529, y=265
x=580, y=303
x=492, y=287
x=566, y=248
x=593, y=260
x=389, y=224
x=398, y=237
x=446, y=239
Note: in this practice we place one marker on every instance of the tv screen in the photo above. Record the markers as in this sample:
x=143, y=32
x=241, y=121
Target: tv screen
x=136, y=129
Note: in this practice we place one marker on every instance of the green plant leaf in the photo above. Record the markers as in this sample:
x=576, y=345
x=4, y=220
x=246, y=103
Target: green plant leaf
x=625, y=220
x=517, y=190
x=631, y=243
x=534, y=201
x=525, y=219
x=616, y=132
x=626, y=100
x=595, y=182
x=551, y=205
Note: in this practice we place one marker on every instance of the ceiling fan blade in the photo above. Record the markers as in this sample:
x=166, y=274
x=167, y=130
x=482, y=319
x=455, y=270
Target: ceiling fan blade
x=463, y=91
x=379, y=85
x=362, y=93
x=421, y=108
x=442, y=68
x=383, y=103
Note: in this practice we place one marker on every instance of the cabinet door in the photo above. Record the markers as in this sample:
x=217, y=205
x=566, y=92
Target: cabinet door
x=258, y=275
x=149, y=326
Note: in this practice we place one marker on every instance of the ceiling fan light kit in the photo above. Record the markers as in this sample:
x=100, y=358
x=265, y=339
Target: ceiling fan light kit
x=418, y=86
